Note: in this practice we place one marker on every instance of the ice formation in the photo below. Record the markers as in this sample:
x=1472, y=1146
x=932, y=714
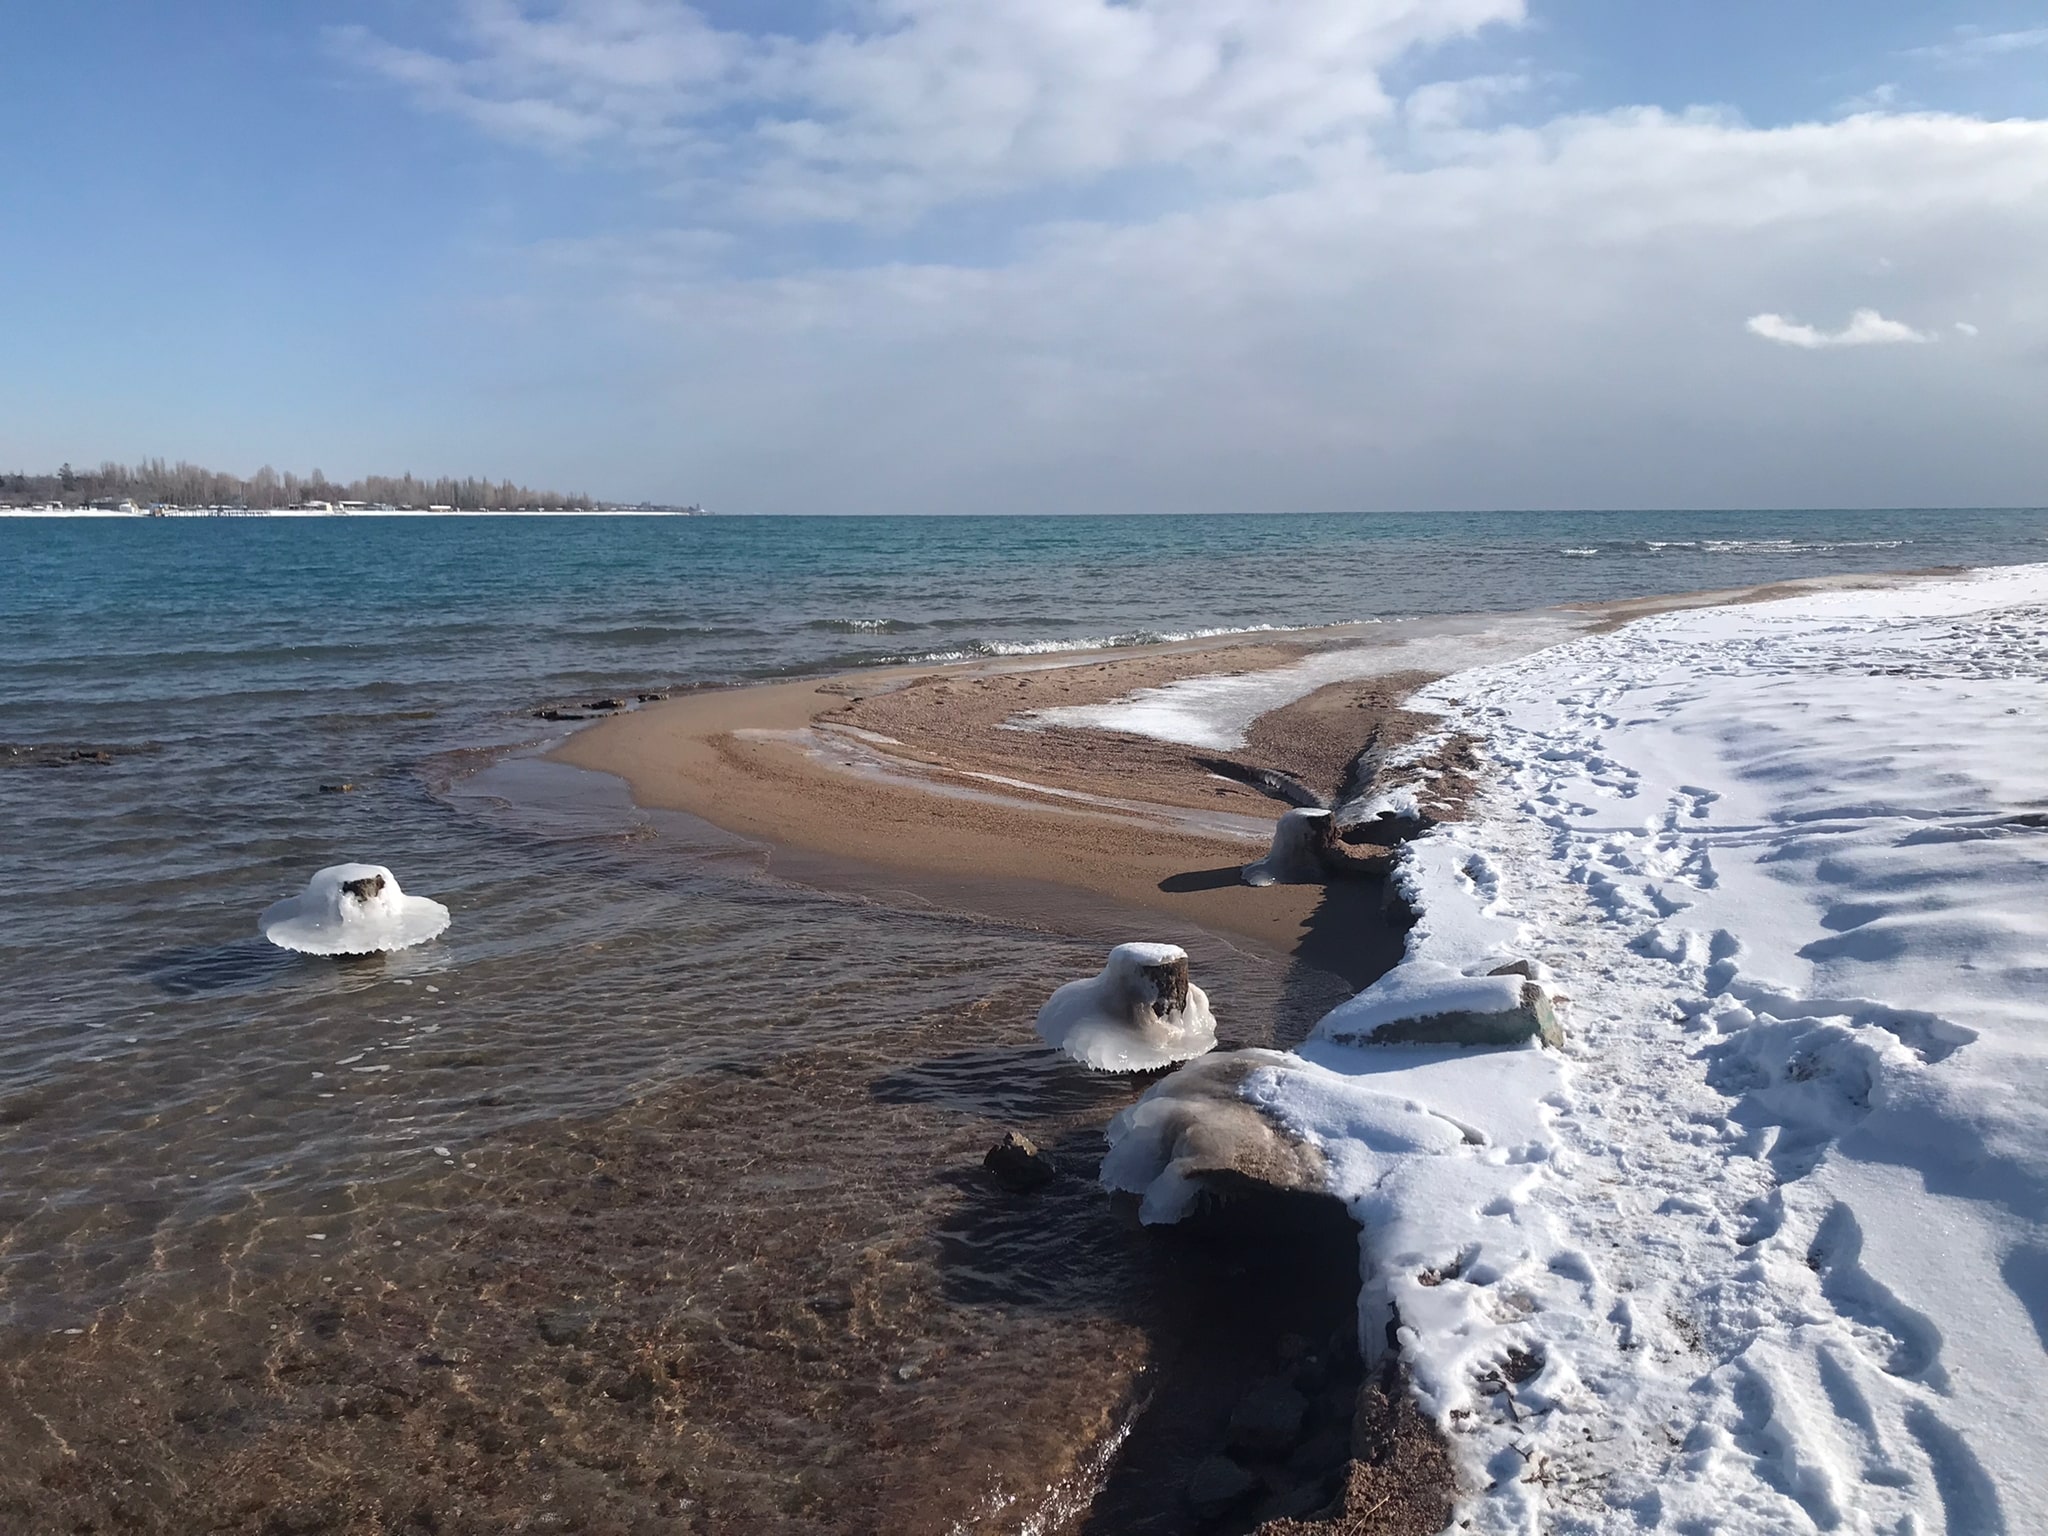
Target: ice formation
x=1765, y=1248
x=1140, y=1012
x=351, y=909
x=1294, y=858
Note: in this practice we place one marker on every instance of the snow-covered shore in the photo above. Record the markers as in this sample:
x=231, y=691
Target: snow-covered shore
x=1765, y=1247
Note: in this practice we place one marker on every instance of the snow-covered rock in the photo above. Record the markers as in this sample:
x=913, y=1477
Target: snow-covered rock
x=351, y=909
x=1424, y=1002
x=1199, y=1124
x=1140, y=1012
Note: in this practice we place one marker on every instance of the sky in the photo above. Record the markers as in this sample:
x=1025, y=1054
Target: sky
x=1040, y=255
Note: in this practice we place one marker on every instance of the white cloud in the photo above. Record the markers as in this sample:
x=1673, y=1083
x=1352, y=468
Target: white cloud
x=1339, y=302
x=1866, y=328
x=1964, y=328
x=912, y=103
x=1973, y=45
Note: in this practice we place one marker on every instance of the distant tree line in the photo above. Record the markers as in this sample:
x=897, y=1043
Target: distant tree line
x=155, y=483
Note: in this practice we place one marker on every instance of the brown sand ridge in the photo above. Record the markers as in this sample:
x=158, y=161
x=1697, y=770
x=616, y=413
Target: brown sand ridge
x=915, y=772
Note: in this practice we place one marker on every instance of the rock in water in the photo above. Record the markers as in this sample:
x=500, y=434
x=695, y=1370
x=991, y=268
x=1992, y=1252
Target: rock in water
x=351, y=909
x=1218, y=1485
x=1140, y=1012
x=1267, y=1420
x=1018, y=1164
x=1296, y=857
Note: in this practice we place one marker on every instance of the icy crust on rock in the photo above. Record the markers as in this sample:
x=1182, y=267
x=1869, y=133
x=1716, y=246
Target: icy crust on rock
x=351, y=909
x=1765, y=1249
x=1126, y=1019
x=1292, y=859
x=1419, y=988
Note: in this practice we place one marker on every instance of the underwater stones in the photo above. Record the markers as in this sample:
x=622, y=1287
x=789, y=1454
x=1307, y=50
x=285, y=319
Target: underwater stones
x=1018, y=1165
x=1141, y=1011
x=1219, y=1485
x=563, y=1327
x=351, y=909
x=1267, y=1420
x=343, y=788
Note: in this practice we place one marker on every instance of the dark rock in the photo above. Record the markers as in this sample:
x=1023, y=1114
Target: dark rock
x=1532, y=1018
x=563, y=1327
x=649, y=698
x=1522, y=968
x=337, y=789
x=557, y=714
x=1324, y=1451
x=365, y=888
x=1219, y=1485
x=1267, y=1419
x=606, y=704
x=1018, y=1165
x=1294, y=1501
x=1169, y=986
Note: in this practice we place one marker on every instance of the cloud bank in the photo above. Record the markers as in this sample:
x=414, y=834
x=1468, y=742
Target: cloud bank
x=1206, y=255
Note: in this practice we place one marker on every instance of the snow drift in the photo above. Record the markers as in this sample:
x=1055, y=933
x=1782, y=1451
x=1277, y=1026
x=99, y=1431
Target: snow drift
x=1765, y=1248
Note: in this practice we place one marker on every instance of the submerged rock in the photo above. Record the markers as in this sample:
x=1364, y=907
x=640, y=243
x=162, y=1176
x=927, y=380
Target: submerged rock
x=1018, y=1165
x=563, y=1327
x=1219, y=1485
x=1267, y=1420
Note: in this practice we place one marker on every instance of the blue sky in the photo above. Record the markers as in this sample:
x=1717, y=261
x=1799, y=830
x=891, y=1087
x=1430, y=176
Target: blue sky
x=931, y=255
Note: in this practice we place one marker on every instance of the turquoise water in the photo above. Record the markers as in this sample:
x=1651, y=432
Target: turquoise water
x=182, y=1107
x=232, y=666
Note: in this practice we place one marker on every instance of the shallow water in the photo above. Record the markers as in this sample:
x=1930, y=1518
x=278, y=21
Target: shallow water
x=206, y=1144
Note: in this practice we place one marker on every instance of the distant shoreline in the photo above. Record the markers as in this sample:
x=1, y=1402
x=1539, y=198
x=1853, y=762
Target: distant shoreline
x=103, y=513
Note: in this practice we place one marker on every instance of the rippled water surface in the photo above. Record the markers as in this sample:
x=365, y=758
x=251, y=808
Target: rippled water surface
x=718, y=1119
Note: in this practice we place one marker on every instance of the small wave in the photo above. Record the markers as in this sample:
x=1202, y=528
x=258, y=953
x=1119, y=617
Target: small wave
x=866, y=626
x=654, y=634
x=1730, y=547
x=973, y=649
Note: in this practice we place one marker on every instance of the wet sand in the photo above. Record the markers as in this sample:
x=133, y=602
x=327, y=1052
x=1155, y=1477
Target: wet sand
x=915, y=773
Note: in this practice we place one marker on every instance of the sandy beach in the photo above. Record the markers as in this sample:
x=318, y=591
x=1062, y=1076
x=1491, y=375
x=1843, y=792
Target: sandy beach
x=944, y=779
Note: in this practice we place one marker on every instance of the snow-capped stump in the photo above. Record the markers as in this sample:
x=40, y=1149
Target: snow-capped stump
x=1140, y=1012
x=1421, y=1002
x=1300, y=837
x=351, y=909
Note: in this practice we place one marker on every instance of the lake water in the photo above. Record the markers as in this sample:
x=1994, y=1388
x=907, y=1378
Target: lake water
x=713, y=1118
